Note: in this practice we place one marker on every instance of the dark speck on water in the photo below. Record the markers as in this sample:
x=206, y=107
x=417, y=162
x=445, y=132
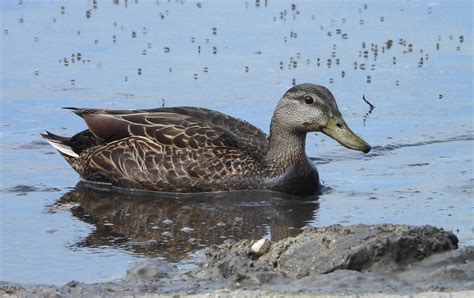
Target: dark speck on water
x=23, y=189
x=418, y=164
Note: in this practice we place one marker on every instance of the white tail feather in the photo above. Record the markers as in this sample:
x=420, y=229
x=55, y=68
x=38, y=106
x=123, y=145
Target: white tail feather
x=64, y=149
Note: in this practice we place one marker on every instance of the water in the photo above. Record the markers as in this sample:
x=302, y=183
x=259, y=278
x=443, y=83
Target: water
x=412, y=60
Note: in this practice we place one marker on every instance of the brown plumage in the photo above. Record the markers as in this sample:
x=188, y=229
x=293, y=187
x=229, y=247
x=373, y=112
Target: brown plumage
x=187, y=149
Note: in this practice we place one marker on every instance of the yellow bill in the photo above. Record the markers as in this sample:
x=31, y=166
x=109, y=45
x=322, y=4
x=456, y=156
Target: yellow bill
x=337, y=129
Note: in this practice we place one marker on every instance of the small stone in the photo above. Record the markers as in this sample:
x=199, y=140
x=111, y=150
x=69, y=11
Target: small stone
x=167, y=221
x=260, y=247
x=72, y=284
x=187, y=230
x=167, y=234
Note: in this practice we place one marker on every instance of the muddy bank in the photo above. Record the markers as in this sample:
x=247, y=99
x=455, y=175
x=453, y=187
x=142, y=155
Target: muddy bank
x=359, y=259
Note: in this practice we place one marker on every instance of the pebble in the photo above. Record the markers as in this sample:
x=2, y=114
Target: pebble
x=260, y=247
x=167, y=221
x=187, y=230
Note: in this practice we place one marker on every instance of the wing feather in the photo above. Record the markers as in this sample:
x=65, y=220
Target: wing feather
x=136, y=162
x=183, y=127
x=169, y=149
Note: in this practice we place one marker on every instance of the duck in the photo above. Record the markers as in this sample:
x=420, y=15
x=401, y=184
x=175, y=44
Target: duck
x=196, y=150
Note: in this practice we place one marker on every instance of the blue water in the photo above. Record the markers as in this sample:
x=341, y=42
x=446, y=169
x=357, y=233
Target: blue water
x=239, y=58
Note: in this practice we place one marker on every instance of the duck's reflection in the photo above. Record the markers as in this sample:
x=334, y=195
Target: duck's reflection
x=171, y=225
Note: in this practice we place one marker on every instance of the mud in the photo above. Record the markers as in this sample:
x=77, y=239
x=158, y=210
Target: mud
x=359, y=259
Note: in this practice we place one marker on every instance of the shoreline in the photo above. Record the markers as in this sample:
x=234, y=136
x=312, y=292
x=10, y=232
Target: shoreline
x=362, y=260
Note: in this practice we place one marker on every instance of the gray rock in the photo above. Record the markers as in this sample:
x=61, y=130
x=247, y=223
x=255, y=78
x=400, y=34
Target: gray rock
x=147, y=271
x=376, y=248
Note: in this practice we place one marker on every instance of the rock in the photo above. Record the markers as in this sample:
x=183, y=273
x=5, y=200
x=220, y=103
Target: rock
x=232, y=263
x=71, y=284
x=375, y=248
x=187, y=230
x=260, y=247
x=146, y=271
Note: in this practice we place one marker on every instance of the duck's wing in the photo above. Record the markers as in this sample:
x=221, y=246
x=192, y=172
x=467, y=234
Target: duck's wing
x=183, y=127
x=248, y=136
x=168, y=129
x=137, y=162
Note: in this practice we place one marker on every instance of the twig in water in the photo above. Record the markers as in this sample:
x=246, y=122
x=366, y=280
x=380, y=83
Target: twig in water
x=371, y=108
x=371, y=105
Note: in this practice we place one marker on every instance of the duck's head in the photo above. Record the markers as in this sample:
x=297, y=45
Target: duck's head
x=312, y=108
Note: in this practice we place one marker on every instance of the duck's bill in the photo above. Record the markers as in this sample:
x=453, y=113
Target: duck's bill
x=339, y=131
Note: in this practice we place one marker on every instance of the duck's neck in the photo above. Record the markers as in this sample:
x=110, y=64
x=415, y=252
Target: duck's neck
x=286, y=148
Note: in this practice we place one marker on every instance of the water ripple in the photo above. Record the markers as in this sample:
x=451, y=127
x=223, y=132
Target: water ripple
x=385, y=149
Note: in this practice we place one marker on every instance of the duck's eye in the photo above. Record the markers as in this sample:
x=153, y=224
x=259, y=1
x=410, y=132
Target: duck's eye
x=308, y=99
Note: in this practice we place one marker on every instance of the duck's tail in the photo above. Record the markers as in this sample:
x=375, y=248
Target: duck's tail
x=61, y=144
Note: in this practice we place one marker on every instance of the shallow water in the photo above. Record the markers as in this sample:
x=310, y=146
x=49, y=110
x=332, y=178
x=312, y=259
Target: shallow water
x=238, y=58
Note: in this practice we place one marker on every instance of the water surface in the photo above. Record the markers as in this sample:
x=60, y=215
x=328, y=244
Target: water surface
x=412, y=60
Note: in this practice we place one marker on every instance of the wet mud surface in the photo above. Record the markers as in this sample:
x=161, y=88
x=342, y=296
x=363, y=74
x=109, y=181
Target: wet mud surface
x=237, y=57
x=330, y=260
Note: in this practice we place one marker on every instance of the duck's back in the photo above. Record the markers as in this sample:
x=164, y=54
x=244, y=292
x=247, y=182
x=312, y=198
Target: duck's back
x=248, y=137
x=169, y=149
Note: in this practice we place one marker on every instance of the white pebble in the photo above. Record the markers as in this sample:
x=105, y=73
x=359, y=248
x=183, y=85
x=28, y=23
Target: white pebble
x=167, y=221
x=187, y=230
x=260, y=247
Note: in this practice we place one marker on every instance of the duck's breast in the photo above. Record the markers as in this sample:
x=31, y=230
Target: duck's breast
x=300, y=179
